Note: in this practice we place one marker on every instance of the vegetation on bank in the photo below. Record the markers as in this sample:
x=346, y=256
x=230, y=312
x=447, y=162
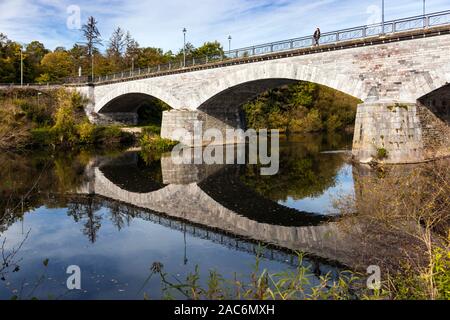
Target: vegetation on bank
x=302, y=107
x=52, y=118
x=151, y=141
x=406, y=232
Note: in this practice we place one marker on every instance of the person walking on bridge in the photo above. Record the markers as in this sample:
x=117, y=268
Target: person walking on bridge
x=317, y=35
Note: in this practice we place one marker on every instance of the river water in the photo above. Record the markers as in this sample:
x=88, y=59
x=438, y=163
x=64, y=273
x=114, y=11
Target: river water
x=115, y=213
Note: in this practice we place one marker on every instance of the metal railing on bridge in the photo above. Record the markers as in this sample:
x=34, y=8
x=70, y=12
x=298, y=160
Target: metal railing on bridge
x=388, y=28
x=36, y=86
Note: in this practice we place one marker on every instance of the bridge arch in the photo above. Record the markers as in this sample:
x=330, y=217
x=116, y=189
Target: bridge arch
x=136, y=90
x=239, y=85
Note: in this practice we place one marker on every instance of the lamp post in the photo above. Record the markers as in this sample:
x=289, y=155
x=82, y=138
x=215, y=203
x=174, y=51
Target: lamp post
x=184, y=47
x=229, y=44
x=92, y=65
x=424, y=7
x=21, y=66
x=22, y=45
x=382, y=17
x=38, y=95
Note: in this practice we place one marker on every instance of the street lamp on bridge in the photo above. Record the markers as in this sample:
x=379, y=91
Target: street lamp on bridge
x=229, y=44
x=22, y=46
x=184, y=47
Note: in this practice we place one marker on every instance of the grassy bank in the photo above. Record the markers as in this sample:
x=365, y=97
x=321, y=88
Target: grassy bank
x=52, y=118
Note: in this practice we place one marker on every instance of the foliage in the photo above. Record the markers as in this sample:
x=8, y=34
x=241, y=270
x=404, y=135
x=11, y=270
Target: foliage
x=290, y=285
x=302, y=108
x=150, y=112
x=86, y=132
x=56, y=66
x=382, y=154
x=154, y=143
x=14, y=127
x=91, y=34
x=403, y=218
x=151, y=130
x=54, y=118
x=304, y=170
x=43, y=136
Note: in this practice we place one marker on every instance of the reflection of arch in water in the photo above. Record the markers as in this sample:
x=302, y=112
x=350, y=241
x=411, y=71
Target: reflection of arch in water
x=268, y=251
x=218, y=185
x=130, y=173
x=191, y=203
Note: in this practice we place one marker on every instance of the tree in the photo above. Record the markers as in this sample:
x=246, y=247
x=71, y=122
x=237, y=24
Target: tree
x=93, y=38
x=190, y=50
x=151, y=57
x=117, y=43
x=8, y=60
x=132, y=49
x=3, y=39
x=35, y=52
x=116, y=48
x=56, y=66
x=209, y=49
x=79, y=54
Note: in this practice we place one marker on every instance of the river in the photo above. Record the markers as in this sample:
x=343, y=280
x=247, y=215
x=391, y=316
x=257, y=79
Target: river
x=115, y=213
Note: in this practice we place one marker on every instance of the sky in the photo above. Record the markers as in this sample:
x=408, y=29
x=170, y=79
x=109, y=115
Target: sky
x=159, y=23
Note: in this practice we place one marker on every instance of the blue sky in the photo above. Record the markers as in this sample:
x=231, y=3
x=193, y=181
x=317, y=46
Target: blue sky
x=159, y=23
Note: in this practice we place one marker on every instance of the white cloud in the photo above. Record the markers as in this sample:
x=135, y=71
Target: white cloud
x=159, y=23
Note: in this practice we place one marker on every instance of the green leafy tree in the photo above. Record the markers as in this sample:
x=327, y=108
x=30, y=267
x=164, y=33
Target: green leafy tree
x=56, y=66
x=209, y=49
x=151, y=57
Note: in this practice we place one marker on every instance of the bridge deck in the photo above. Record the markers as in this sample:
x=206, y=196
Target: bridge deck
x=355, y=43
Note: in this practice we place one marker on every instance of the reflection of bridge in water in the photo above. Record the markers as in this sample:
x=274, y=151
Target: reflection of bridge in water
x=217, y=207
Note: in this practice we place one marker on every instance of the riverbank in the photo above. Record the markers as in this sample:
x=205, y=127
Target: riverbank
x=55, y=118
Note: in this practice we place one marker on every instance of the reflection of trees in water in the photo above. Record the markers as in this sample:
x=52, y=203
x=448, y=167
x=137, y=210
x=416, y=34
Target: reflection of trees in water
x=304, y=171
x=31, y=178
x=121, y=216
x=133, y=173
x=86, y=211
x=397, y=215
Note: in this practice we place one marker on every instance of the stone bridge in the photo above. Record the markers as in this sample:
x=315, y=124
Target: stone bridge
x=401, y=78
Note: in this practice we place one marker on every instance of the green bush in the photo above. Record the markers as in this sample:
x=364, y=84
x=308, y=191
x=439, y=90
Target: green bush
x=152, y=129
x=150, y=142
x=43, y=136
x=112, y=135
x=86, y=132
x=382, y=154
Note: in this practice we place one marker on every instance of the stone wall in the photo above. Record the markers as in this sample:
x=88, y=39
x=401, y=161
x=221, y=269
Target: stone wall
x=184, y=119
x=116, y=118
x=388, y=126
x=435, y=134
x=434, y=113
